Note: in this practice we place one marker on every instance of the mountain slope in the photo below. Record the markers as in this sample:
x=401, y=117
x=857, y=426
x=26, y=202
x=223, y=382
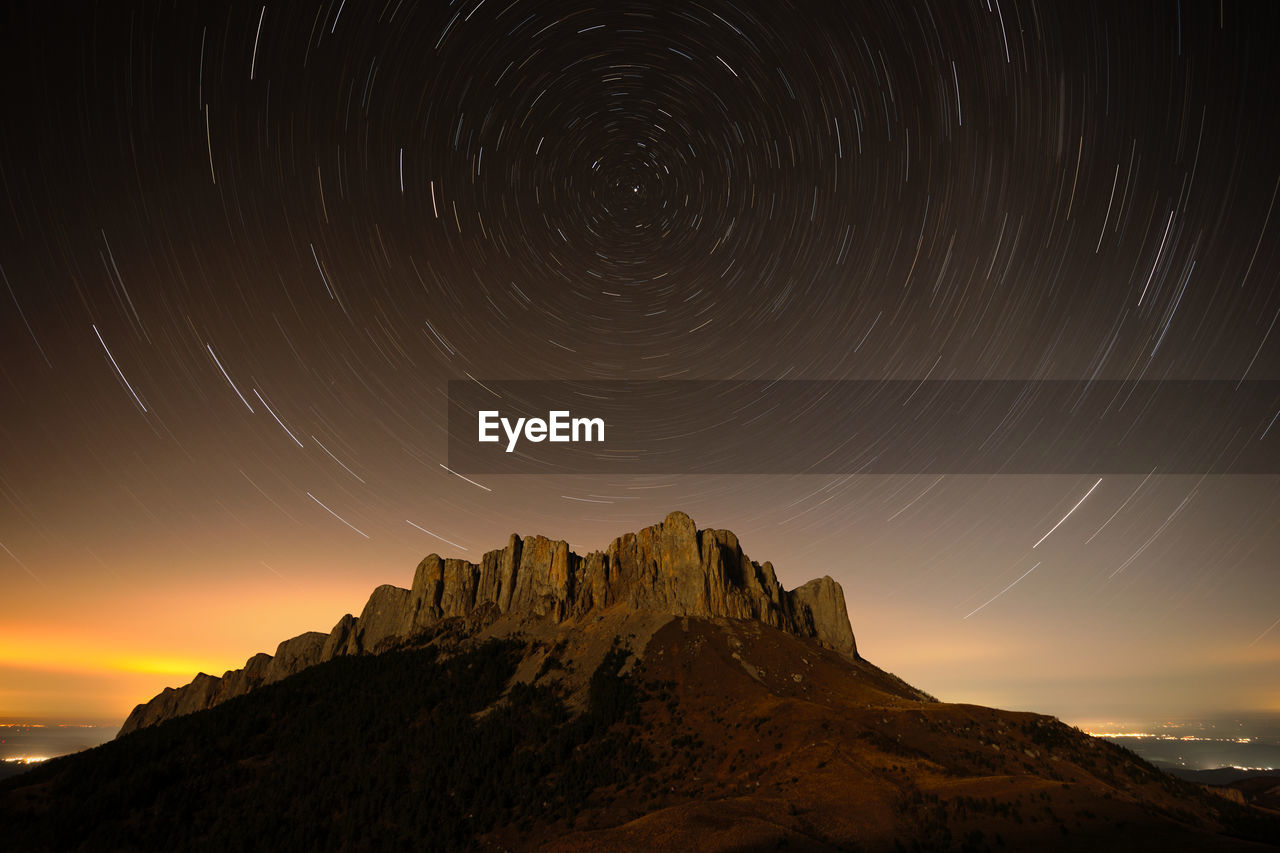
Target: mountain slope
x=615, y=727
x=723, y=735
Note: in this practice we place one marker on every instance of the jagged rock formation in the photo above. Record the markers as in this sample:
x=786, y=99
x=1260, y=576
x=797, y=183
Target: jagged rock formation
x=671, y=568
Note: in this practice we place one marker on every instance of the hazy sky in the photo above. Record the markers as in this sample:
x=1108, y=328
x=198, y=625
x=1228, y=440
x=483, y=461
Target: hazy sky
x=244, y=247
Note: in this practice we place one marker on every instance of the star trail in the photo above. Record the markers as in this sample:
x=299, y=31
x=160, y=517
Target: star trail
x=247, y=245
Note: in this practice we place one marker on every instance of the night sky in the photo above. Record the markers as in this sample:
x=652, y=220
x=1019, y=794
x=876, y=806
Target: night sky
x=244, y=248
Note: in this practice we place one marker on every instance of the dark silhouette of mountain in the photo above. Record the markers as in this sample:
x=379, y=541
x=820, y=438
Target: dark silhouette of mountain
x=1258, y=787
x=8, y=769
x=552, y=720
x=1260, y=790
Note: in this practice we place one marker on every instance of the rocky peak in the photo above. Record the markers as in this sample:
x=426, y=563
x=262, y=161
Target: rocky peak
x=669, y=568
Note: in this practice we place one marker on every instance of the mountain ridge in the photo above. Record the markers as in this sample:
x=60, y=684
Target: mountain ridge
x=665, y=693
x=671, y=568
x=637, y=731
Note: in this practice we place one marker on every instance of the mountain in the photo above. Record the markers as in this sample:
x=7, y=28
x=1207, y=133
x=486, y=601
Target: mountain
x=670, y=568
x=1259, y=787
x=665, y=693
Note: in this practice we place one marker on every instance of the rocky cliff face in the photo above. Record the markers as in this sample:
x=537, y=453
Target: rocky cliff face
x=671, y=568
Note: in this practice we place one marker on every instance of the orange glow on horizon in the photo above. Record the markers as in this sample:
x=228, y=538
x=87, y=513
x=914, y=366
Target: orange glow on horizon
x=101, y=663
x=59, y=653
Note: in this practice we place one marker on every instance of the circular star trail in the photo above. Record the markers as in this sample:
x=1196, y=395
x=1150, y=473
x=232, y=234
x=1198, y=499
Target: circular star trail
x=244, y=247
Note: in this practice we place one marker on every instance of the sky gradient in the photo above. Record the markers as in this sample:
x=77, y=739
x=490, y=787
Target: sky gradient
x=245, y=246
